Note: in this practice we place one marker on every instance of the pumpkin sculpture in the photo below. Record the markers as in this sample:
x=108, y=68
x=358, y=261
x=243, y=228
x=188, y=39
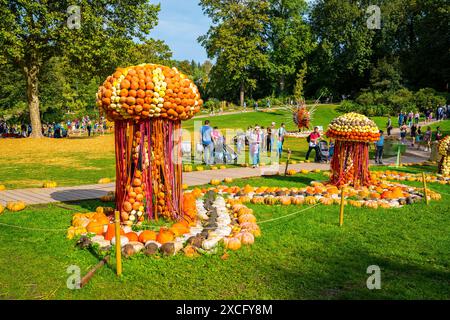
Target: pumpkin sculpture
x=444, y=151
x=350, y=164
x=147, y=103
x=302, y=116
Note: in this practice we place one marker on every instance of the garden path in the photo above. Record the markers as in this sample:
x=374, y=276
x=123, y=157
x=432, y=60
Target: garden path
x=94, y=191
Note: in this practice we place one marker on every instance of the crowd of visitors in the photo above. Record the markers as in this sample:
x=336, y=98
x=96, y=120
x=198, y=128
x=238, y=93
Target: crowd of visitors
x=61, y=129
x=259, y=139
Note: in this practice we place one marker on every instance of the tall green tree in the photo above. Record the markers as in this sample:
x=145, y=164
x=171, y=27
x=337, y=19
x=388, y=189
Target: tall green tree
x=344, y=52
x=236, y=41
x=289, y=38
x=93, y=36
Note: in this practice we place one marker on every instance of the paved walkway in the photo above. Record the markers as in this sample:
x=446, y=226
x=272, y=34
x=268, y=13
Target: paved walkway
x=94, y=191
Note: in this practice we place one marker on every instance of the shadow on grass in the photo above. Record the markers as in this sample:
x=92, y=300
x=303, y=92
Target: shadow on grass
x=297, y=179
x=85, y=198
x=343, y=275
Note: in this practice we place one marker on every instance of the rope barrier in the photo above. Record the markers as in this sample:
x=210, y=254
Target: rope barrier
x=148, y=227
x=288, y=215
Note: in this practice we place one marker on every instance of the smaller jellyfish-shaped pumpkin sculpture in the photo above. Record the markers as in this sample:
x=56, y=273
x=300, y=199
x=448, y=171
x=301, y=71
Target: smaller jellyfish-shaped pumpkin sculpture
x=444, y=151
x=350, y=163
x=147, y=103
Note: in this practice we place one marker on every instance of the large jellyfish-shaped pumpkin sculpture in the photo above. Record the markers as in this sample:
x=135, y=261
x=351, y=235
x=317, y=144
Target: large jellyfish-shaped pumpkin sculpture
x=147, y=103
x=350, y=163
x=444, y=151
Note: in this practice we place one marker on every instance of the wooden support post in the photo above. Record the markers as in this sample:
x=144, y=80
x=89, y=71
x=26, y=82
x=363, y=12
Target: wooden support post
x=287, y=161
x=341, y=210
x=118, y=245
x=425, y=188
x=398, y=156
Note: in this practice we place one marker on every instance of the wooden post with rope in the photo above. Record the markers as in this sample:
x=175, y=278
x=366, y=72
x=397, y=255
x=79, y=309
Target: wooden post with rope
x=287, y=161
x=341, y=210
x=118, y=245
x=425, y=188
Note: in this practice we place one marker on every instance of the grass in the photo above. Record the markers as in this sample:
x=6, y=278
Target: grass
x=304, y=256
x=26, y=163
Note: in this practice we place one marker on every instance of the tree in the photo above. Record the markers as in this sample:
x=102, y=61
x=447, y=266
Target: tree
x=299, y=83
x=236, y=41
x=92, y=36
x=385, y=76
x=289, y=38
x=345, y=45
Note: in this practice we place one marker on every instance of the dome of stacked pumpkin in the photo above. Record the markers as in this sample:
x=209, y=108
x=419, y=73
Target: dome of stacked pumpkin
x=444, y=150
x=444, y=146
x=353, y=127
x=148, y=91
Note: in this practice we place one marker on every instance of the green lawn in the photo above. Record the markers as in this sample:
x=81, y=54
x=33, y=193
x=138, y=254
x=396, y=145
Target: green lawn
x=304, y=256
x=26, y=163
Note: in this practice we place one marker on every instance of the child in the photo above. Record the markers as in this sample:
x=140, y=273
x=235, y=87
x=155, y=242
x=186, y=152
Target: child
x=379, y=149
x=331, y=150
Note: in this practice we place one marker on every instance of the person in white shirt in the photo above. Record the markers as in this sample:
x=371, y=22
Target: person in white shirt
x=281, y=133
x=255, y=143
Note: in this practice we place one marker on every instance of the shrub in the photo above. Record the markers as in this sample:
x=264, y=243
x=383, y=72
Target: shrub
x=428, y=98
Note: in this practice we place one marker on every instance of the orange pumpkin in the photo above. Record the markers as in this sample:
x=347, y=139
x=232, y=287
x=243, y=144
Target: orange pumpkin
x=165, y=235
x=179, y=228
x=147, y=235
x=95, y=227
x=111, y=232
x=132, y=236
x=232, y=243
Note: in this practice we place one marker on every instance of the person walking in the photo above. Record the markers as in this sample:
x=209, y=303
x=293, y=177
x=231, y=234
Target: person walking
x=379, y=145
x=218, y=141
x=417, y=118
x=401, y=119
x=281, y=133
x=255, y=142
x=438, y=133
x=410, y=118
x=89, y=128
x=208, y=146
x=403, y=132
x=389, y=126
x=413, y=134
x=418, y=137
x=427, y=115
x=313, y=141
x=427, y=139
x=240, y=143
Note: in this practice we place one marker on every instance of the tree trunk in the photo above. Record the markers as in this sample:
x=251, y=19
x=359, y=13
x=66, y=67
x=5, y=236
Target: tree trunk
x=241, y=94
x=282, y=82
x=31, y=73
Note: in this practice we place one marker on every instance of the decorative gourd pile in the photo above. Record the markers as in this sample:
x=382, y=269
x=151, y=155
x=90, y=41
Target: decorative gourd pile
x=404, y=176
x=444, y=151
x=210, y=223
x=49, y=184
x=350, y=163
x=378, y=194
x=147, y=103
x=15, y=206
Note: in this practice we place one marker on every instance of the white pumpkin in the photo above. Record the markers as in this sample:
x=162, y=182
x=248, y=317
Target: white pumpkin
x=123, y=241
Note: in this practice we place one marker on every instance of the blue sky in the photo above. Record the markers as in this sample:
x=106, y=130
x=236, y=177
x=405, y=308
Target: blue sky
x=180, y=23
